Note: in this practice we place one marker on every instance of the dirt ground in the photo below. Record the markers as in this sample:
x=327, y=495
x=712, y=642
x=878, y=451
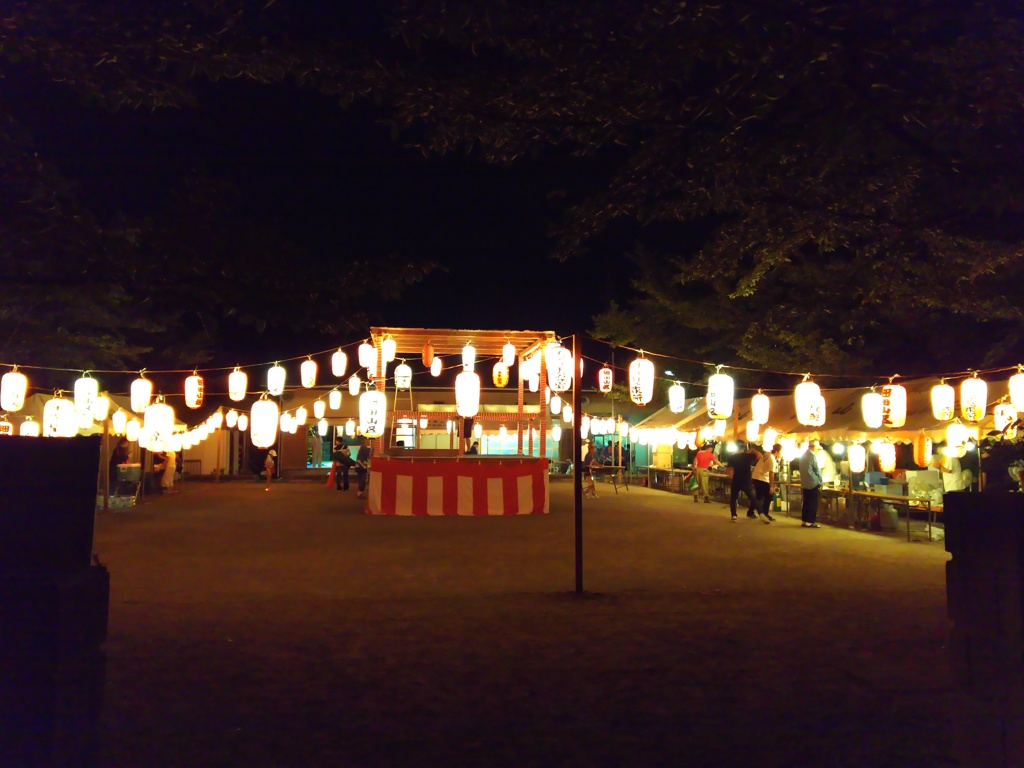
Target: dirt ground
x=286, y=628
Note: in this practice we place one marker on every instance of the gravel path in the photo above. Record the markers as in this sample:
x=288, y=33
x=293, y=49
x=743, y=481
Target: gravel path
x=286, y=628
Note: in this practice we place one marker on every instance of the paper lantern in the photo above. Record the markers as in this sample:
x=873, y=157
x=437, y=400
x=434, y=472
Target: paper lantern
x=424, y=422
x=605, y=379
x=769, y=439
x=293, y=427
x=319, y=409
x=284, y=422
x=567, y=414
x=84, y=420
x=101, y=407
x=13, y=387
x=718, y=428
x=216, y=420
x=141, y=394
x=858, y=457
x=339, y=363
x=428, y=355
x=943, y=401
x=231, y=419
x=478, y=430
x=307, y=373
x=120, y=421
x=720, y=395
x=388, y=349
x=436, y=366
x=533, y=383
x=556, y=433
x=467, y=394
x=158, y=425
x=334, y=399
x=806, y=395
x=365, y=355
x=559, y=367
x=500, y=374
x=449, y=426
x=502, y=431
x=132, y=429
x=677, y=398
x=1004, y=415
x=922, y=450
x=973, y=398
x=818, y=411
x=886, y=456
x=87, y=389
x=759, y=405
x=60, y=419
x=6, y=428
x=641, y=381
x=238, y=382
x=555, y=404
x=468, y=357
x=403, y=376
x=894, y=406
x=350, y=428
x=353, y=384
x=508, y=354
x=871, y=406
x=322, y=427
x=29, y=427
x=301, y=416
x=584, y=426
x=373, y=410
x=263, y=422
x=1016, y=388
x=176, y=443
x=753, y=428
x=372, y=360
x=956, y=435
x=275, y=381
x=243, y=422
x=623, y=429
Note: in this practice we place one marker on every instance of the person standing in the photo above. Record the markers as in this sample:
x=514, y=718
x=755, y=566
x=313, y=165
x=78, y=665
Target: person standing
x=765, y=472
x=120, y=455
x=810, y=486
x=362, y=466
x=170, y=467
x=268, y=466
x=740, y=464
x=702, y=464
x=342, y=458
x=952, y=473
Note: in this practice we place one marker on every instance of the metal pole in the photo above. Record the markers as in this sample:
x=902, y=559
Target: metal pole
x=216, y=476
x=105, y=465
x=577, y=446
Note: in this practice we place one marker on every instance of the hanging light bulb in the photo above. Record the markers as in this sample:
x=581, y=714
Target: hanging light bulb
x=231, y=419
x=500, y=374
x=428, y=355
x=759, y=405
x=973, y=398
x=508, y=354
x=301, y=416
x=467, y=394
x=141, y=393
x=478, y=430
x=307, y=373
x=275, y=380
x=424, y=422
x=388, y=349
x=403, y=376
x=436, y=366
x=559, y=367
x=87, y=389
x=1004, y=414
x=319, y=409
x=373, y=410
x=321, y=427
x=641, y=380
x=339, y=363
x=858, y=458
x=60, y=419
x=567, y=414
x=263, y=419
x=871, y=409
x=807, y=396
x=238, y=382
x=353, y=384
x=468, y=357
x=194, y=390
x=894, y=405
x=943, y=401
x=365, y=355
x=677, y=398
x=350, y=428
x=13, y=387
x=753, y=428
x=720, y=395
x=334, y=399
x=101, y=407
x=605, y=379
x=243, y=422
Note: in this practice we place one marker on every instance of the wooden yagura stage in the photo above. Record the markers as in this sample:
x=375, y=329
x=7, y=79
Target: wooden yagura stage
x=472, y=486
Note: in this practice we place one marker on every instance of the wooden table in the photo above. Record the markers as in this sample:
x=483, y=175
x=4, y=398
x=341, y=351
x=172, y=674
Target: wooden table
x=828, y=500
x=612, y=471
x=874, y=501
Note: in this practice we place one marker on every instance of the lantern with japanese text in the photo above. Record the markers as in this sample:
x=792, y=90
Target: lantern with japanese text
x=13, y=387
x=871, y=409
x=373, y=410
x=29, y=427
x=467, y=394
x=141, y=394
x=894, y=406
x=60, y=418
x=500, y=374
x=307, y=373
x=158, y=425
x=6, y=428
x=508, y=354
x=1004, y=415
x=388, y=349
x=759, y=405
x=231, y=419
x=87, y=389
x=922, y=449
x=373, y=363
x=334, y=399
x=319, y=409
x=468, y=357
x=403, y=376
x=275, y=380
x=720, y=395
x=973, y=398
x=339, y=363
x=943, y=401
x=194, y=390
x=238, y=382
x=605, y=379
x=243, y=422
x=806, y=395
x=263, y=422
x=858, y=457
x=641, y=380
x=818, y=411
x=428, y=355
x=559, y=365
x=353, y=384
x=677, y=398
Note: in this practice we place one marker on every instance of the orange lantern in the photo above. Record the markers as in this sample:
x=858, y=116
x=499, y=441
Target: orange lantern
x=428, y=354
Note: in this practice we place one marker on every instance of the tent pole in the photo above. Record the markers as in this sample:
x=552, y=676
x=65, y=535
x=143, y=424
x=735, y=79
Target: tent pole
x=577, y=461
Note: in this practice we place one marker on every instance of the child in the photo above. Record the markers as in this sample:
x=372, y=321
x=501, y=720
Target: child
x=268, y=465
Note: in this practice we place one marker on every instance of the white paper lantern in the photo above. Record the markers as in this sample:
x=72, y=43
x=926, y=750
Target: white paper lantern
x=322, y=427
x=1004, y=414
x=238, y=382
x=101, y=407
x=467, y=394
x=403, y=376
x=275, y=382
x=807, y=396
x=307, y=373
x=718, y=428
x=216, y=420
x=449, y=426
x=943, y=401
x=293, y=427
x=301, y=415
x=141, y=394
x=769, y=439
x=373, y=411
x=623, y=429
x=388, y=349
x=605, y=379
x=132, y=429
x=424, y=422
x=319, y=409
x=353, y=384
x=284, y=422
x=436, y=366
x=858, y=458
x=500, y=374
x=886, y=456
x=677, y=398
x=231, y=419
x=753, y=429
x=350, y=428
x=584, y=426
x=1016, y=388
x=339, y=363
x=720, y=395
x=956, y=435
x=508, y=354
x=567, y=414
x=559, y=367
x=60, y=419
x=468, y=357
x=478, y=430
x=243, y=422
x=894, y=406
x=6, y=428
x=29, y=427
x=556, y=433
x=818, y=411
x=119, y=421
x=334, y=399
x=87, y=390
x=641, y=381
x=263, y=422
x=194, y=390
x=158, y=425
x=13, y=388
x=871, y=409
x=365, y=354
x=973, y=398
x=555, y=403
x=759, y=406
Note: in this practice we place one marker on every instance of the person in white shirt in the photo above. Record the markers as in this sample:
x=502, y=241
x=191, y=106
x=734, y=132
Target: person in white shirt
x=952, y=474
x=764, y=474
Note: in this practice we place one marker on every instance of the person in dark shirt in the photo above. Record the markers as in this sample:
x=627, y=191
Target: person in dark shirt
x=740, y=464
x=362, y=466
